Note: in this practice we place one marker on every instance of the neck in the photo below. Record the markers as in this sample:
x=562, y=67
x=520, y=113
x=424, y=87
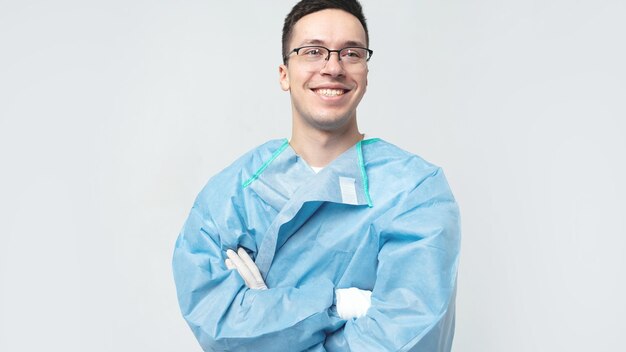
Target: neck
x=318, y=147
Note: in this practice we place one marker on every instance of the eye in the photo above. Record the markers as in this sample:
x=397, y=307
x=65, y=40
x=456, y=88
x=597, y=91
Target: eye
x=353, y=54
x=312, y=52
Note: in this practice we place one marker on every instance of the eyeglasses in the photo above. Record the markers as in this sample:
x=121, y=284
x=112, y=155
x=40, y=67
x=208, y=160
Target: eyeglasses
x=315, y=54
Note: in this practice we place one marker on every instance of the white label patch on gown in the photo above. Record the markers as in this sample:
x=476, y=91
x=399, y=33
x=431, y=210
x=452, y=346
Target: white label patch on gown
x=348, y=190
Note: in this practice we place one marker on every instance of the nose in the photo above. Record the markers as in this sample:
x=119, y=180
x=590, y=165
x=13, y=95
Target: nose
x=332, y=66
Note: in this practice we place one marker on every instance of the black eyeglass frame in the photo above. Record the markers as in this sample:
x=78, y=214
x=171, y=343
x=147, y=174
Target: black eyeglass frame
x=338, y=51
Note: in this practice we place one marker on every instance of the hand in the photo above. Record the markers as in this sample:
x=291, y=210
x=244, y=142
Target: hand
x=246, y=268
x=352, y=302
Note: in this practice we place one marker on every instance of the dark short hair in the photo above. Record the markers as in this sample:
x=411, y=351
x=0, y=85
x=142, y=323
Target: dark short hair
x=307, y=7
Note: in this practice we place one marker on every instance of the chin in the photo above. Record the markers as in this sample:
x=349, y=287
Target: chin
x=330, y=124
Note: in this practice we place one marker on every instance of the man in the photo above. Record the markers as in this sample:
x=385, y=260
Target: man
x=329, y=241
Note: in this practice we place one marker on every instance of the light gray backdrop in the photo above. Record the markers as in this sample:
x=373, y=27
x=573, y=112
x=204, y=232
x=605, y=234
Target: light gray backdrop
x=113, y=114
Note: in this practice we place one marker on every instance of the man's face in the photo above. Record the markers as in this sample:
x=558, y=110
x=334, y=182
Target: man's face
x=325, y=96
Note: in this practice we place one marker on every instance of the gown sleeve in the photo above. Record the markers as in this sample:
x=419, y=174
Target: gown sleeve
x=413, y=297
x=225, y=315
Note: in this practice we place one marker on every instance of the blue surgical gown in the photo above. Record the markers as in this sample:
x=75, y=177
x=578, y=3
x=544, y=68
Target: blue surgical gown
x=377, y=218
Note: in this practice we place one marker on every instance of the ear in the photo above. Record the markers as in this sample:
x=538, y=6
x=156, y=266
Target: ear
x=283, y=77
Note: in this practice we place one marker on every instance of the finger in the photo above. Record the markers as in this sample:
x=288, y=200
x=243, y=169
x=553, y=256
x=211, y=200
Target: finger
x=251, y=265
x=230, y=265
x=241, y=267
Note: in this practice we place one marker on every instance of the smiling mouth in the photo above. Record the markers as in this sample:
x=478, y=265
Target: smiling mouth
x=330, y=92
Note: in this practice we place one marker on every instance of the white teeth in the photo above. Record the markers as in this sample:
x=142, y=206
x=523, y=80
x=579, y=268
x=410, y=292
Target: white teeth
x=330, y=92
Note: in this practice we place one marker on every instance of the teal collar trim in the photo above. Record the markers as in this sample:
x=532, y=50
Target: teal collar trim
x=266, y=164
x=359, y=150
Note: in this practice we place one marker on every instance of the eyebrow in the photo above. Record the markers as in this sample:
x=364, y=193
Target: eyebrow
x=321, y=42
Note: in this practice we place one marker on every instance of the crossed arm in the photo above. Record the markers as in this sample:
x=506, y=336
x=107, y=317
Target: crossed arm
x=350, y=302
x=225, y=314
